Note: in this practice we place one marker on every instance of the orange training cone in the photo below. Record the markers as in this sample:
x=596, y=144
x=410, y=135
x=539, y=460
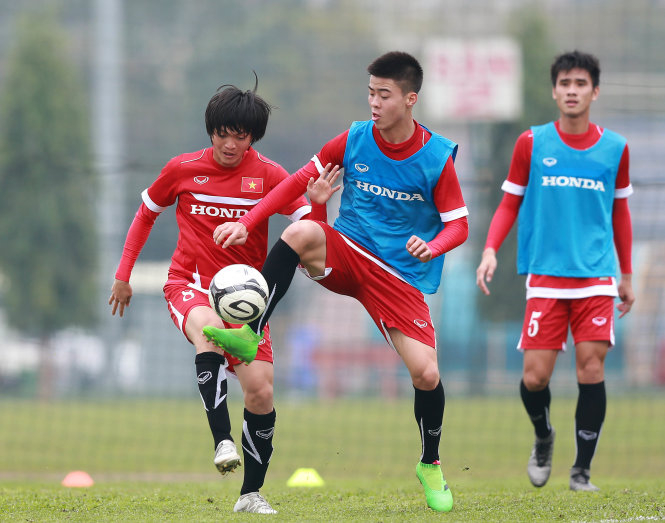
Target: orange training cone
x=78, y=478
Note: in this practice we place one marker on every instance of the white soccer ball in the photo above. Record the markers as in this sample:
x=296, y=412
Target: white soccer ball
x=238, y=293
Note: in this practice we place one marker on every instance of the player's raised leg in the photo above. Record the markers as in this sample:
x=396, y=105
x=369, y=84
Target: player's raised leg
x=301, y=242
x=243, y=342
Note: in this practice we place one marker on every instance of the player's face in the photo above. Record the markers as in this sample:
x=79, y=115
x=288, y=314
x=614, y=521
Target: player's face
x=574, y=92
x=229, y=148
x=389, y=106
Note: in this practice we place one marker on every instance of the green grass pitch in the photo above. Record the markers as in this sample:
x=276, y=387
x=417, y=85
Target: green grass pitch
x=152, y=461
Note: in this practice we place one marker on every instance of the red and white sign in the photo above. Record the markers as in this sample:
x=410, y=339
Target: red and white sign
x=472, y=80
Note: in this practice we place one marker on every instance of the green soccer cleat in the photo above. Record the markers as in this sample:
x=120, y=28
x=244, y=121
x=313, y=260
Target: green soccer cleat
x=243, y=343
x=438, y=495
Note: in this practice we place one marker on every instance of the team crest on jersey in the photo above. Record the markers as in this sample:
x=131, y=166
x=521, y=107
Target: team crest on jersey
x=252, y=185
x=420, y=323
x=549, y=162
x=361, y=167
x=201, y=179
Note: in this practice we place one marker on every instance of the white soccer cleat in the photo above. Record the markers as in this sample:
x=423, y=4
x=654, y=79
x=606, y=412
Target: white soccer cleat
x=540, y=461
x=253, y=502
x=226, y=457
x=579, y=480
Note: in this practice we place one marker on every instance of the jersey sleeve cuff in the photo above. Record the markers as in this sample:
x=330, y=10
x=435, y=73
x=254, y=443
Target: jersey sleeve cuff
x=317, y=163
x=624, y=192
x=513, y=188
x=454, y=214
x=302, y=211
x=150, y=204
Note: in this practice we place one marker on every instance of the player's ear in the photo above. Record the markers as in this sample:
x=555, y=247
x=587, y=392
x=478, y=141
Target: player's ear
x=411, y=99
x=596, y=92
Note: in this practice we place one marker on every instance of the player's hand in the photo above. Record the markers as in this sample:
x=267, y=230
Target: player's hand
x=626, y=295
x=485, y=271
x=321, y=189
x=231, y=233
x=418, y=248
x=121, y=294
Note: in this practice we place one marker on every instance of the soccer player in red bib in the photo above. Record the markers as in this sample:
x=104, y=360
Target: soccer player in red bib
x=401, y=210
x=567, y=187
x=218, y=184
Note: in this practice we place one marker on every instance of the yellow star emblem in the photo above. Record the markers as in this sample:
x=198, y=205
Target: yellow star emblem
x=252, y=185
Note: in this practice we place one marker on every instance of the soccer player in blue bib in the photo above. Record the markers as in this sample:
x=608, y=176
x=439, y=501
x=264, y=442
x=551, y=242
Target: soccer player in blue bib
x=401, y=210
x=568, y=189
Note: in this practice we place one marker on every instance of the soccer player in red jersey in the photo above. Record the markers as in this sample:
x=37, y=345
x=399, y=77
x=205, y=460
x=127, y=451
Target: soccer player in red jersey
x=218, y=184
x=401, y=210
x=567, y=186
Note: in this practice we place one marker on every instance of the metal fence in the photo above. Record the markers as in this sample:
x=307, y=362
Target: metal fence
x=326, y=345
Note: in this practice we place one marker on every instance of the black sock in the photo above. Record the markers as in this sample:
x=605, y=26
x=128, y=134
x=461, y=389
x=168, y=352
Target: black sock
x=211, y=376
x=537, y=405
x=278, y=270
x=589, y=417
x=257, y=433
x=428, y=406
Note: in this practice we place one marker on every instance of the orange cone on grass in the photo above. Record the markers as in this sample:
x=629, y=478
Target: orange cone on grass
x=78, y=478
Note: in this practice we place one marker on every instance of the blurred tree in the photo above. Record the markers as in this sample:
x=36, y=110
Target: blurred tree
x=47, y=223
x=305, y=63
x=530, y=28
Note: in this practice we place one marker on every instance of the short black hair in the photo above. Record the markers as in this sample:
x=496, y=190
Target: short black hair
x=576, y=60
x=401, y=67
x=231, y=109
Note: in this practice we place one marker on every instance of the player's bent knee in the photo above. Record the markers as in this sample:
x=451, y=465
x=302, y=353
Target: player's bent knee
x=428, y=379
x=259, y=401
x=258, y=405
x=303, y=235
x=297, y=230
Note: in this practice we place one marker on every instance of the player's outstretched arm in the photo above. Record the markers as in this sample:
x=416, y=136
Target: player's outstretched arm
x=231, y=233
x=121, y=295
x=485, y=271
x=626, y=294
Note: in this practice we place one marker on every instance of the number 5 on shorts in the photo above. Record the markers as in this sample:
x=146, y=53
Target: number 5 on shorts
x=533, y=324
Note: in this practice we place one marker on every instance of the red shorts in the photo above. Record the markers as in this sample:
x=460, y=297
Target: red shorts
x=390, y=301
x=546, y=321
x=181, y=298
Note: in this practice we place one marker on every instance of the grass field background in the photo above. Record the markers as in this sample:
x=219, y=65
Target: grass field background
x=152, y=460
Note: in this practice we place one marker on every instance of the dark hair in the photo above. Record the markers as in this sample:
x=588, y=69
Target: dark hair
x=401, y=67
x=231, y=109
x=576, y=60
